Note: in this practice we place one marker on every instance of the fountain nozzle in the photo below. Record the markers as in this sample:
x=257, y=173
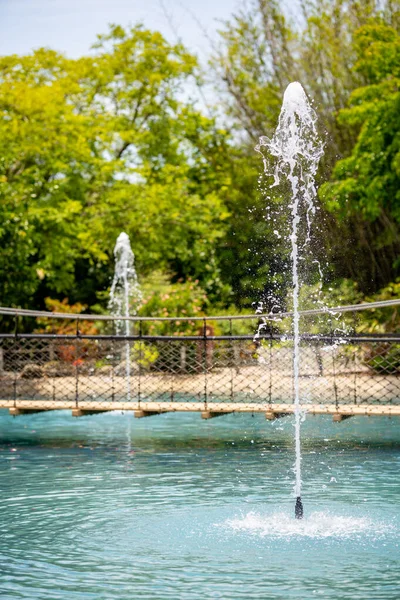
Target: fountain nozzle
x=298, y=509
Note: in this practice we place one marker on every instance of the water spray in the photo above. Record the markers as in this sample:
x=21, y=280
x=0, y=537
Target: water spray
x=125, y=295
x=295, y=149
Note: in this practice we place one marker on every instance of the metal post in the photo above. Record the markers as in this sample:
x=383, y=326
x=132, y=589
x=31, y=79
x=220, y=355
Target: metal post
x=318, y=357
x=355, y=358
x=51, y=344
x=232, y=356
x=270, y=365
x=183, y=357
x=112, y=371
x=140, y=363
x=77, y=353
x=205, y=361
x=15, y=342
x=334, y=365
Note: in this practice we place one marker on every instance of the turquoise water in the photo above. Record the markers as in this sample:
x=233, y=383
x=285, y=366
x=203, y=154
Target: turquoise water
x=111, y=508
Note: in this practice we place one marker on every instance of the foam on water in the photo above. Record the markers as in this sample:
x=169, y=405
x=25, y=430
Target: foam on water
x=316, y=525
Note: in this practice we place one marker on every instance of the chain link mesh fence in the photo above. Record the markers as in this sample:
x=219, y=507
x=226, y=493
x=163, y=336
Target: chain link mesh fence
x=216, y=362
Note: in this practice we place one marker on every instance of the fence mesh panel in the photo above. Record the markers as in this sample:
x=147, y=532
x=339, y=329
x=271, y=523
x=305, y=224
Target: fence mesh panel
x=220, y=363
x=234, y=370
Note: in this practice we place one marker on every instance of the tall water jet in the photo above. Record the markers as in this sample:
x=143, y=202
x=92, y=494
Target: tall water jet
x=125, y=295
x=296, y=150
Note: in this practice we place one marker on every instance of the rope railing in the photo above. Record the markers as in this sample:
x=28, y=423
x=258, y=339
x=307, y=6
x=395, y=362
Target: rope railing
x=23, y=312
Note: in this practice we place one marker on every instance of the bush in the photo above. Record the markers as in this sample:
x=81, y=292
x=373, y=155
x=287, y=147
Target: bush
x=384, y=359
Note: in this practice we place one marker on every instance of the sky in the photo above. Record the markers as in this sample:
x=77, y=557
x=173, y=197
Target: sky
x=71, y=26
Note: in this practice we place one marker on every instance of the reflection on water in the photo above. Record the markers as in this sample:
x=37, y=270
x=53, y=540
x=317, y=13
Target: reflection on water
x=178, y=507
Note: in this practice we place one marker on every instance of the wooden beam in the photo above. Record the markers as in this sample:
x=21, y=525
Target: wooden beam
x=81, y=412
x=16, y=412
x=208, y=414
x=270, y=415
x=140, y=414
x=149, y=408
x=337, y=418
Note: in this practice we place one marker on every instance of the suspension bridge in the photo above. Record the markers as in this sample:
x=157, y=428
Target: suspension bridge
x=210, y=365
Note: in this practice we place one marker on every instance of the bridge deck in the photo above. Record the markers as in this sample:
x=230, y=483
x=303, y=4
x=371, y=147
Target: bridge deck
x=144, y=408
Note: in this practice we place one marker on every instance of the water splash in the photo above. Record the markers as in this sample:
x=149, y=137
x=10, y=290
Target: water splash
x=316, y=525
x=296, y=150
x=125, y=295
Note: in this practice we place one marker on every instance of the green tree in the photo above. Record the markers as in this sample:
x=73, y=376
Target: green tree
x=105, y=143
x=262, y=49
x=365, y=186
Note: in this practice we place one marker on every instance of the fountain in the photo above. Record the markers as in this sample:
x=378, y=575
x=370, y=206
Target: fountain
x=296, y=150
x=125, y=295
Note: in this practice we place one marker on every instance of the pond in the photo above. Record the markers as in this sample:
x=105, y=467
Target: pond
x=111, y=508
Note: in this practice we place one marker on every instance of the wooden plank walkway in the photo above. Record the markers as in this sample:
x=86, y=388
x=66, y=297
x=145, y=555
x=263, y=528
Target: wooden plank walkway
x=208, y=410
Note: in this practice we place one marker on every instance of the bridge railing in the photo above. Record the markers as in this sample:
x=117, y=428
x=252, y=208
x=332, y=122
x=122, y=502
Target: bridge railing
x=235, y=360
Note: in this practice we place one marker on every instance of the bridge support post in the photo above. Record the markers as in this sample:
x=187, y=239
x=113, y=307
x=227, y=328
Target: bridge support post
x=140, y=414
x=337, y=417
x=16, y=412
x=208, y=414
x=270, y=415
x=83, y=412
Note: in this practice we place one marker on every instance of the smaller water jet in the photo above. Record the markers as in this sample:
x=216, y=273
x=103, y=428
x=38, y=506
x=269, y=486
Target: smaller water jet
x=125, y=295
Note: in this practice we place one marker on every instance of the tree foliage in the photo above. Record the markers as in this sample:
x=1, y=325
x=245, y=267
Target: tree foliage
x=113, y=142
x=365, y=186
x=263, y=48
x=93, y=146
